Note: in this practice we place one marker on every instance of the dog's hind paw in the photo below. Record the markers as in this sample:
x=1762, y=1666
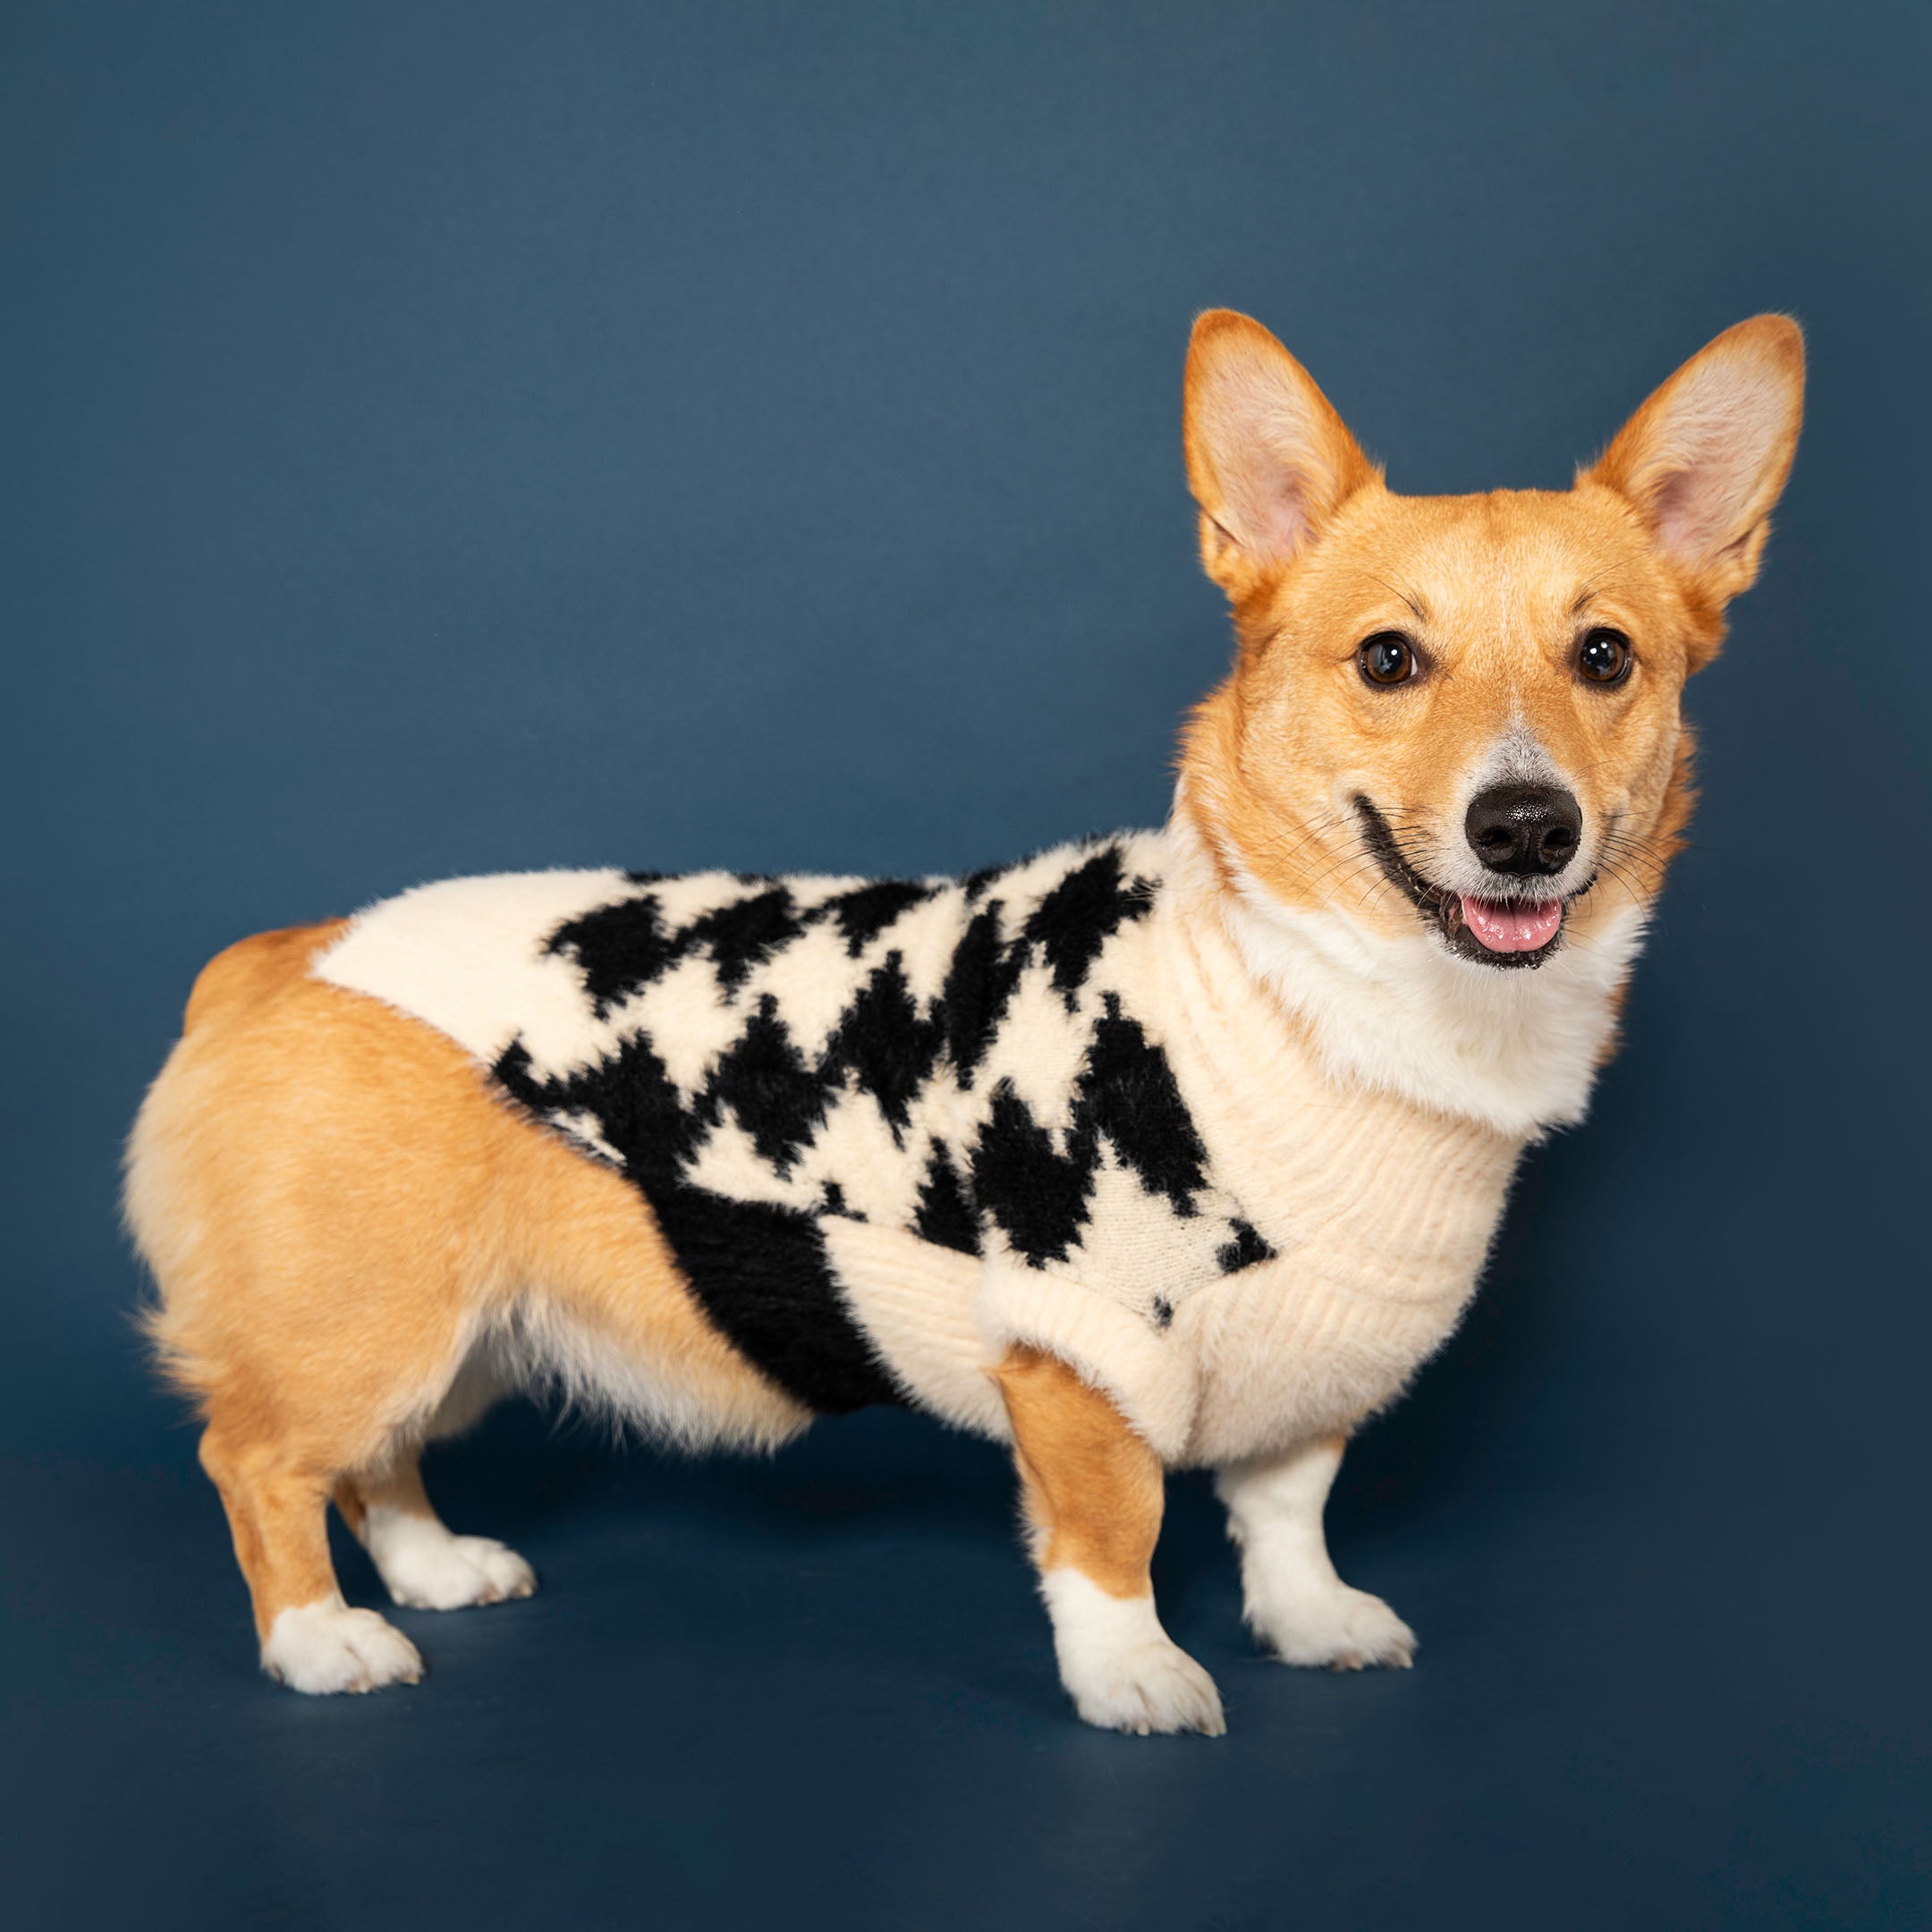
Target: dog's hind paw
x=326, y=1647
x=426, y=1568
x=1121, y=1668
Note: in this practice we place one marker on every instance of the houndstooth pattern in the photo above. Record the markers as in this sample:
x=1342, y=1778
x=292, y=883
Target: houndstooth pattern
x=962, y=1060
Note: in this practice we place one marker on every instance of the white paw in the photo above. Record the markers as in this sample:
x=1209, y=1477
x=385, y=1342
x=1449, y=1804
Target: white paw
x=326, y=1647
x=1121, y=1668
x=1334, y=1625
x=426, y=1568
x=1151, y=1687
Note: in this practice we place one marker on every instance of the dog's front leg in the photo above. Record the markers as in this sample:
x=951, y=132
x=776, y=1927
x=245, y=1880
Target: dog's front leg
x=1094, y=1492
x=1295, y=1602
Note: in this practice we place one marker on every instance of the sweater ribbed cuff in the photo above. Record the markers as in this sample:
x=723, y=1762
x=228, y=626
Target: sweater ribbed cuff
x=1109, y=1347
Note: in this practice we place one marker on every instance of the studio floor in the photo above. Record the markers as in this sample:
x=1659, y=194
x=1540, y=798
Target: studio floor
x=819, y=1691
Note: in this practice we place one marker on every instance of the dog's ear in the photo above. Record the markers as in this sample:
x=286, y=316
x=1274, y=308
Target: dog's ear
x=1706, y=458
x=1268, y=460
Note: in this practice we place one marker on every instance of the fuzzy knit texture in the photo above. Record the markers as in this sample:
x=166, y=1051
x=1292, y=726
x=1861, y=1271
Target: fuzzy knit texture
x=890, y=1127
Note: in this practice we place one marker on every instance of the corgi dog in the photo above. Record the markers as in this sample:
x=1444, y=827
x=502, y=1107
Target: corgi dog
x=1176, y=1149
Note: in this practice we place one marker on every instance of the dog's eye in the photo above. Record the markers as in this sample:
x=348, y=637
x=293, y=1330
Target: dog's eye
x=1604, y=657
x=1388, y=658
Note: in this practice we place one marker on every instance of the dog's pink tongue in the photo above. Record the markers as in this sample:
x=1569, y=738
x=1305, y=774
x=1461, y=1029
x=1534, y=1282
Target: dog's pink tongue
x=1507, y=926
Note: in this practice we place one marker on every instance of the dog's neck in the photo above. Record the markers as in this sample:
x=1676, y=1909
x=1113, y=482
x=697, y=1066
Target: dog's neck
x=1517, y=1051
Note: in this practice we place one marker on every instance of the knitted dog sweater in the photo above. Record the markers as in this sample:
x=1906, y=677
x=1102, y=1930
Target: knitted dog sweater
x=831, y=1090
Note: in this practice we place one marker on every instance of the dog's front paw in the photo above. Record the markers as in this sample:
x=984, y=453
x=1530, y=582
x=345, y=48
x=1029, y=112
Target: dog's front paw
x=326, y=1647
x=1335, y=1626
x=1121, y=1668
x=1148, y=1687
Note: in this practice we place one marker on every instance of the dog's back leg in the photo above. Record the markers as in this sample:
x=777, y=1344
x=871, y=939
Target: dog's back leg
x=358, y=1247
x=321, y=1221
x=1094, y=1493
x=311, y=1640
x=422, y=1564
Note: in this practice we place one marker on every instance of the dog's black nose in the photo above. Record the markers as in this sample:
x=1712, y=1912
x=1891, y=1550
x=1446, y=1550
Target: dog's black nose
x=1527, y=829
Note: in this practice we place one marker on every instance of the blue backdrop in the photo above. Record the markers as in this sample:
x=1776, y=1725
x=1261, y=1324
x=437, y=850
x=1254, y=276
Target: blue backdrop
x=447, y=437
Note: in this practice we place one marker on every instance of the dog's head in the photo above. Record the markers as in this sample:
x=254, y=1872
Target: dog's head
x=1459, y=714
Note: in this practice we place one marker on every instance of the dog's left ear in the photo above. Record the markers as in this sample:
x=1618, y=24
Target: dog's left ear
x=1706, y=458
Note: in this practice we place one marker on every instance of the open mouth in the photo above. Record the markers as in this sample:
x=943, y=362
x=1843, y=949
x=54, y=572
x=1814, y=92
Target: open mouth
x=1497, y=932
x=1508, y=926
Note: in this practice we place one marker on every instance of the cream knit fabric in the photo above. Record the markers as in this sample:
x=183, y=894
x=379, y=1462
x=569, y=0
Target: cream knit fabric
x=1382, y=1212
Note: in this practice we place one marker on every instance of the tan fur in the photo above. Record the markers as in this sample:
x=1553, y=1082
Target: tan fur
x=1496, y=590
x=334, y=1210
x=1093, y=1489
x=399, y=1486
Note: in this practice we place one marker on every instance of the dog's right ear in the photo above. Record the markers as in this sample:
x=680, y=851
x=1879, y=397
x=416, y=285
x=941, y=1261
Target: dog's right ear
x=1268, y=460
